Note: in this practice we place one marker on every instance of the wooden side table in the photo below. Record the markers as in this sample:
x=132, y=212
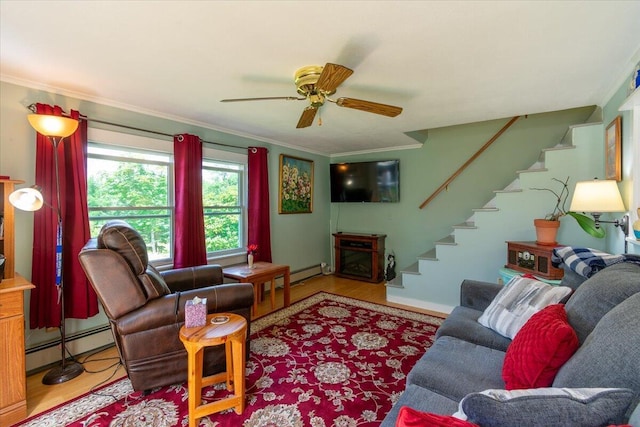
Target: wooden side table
x=260, y=273
x=232, y=334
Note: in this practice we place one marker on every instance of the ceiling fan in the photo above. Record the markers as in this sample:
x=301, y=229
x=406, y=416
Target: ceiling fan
x=315, y=83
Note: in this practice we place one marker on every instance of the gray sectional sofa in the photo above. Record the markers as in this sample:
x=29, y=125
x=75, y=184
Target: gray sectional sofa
x=467, y=358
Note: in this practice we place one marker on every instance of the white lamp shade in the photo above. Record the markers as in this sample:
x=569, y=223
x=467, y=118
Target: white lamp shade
x=27, y=199
x=56, y=126
x=597, y=196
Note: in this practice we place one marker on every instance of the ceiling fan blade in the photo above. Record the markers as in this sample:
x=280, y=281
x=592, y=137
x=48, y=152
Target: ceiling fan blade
x=370, y=107
x=331, y=77
x=268, y=98
x=306, y=119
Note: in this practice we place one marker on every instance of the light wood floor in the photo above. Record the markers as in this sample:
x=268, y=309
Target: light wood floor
x=103, y=367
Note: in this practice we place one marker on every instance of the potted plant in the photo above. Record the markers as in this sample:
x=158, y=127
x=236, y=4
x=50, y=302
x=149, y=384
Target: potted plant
x=547, y=227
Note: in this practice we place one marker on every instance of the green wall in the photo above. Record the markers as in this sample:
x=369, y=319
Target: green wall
x=615, y=239
x=412, y=231
x=297, y=240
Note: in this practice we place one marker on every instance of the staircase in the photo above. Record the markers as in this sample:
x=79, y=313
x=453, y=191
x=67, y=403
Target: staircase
x=476, y=248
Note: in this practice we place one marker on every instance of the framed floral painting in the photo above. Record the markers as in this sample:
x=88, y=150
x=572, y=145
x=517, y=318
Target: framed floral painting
x=295, y=193
x=613, y=150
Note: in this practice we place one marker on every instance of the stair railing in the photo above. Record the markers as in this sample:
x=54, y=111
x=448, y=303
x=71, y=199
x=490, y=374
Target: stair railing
x=468, y=162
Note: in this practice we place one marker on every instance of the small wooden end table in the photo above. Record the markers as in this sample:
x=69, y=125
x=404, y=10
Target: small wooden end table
x=260, y=273
x=232, y=334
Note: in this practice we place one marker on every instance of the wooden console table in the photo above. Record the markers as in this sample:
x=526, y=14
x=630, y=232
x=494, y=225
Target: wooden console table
x=360, y=256
x=260, y=273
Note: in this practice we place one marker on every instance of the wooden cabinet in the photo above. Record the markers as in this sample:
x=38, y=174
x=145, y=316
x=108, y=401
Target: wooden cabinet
x=360, y=256
x=13, y=380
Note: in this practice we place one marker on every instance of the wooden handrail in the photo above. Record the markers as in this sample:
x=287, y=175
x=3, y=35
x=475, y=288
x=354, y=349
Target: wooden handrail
x=468, y=162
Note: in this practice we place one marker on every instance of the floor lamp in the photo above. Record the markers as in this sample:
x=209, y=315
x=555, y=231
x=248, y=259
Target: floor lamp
x=55, y=128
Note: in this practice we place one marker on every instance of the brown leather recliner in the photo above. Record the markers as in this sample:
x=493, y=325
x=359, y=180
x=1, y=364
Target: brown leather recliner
x=145, y=307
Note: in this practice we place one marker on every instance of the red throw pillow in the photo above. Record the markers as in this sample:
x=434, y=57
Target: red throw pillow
x=539, y=349
x=409, y=417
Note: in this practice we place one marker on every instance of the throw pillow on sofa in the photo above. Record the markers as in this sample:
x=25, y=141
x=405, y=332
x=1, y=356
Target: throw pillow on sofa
x=539, y=349
x=520, y=299
x=549, y=407
x=409, y=417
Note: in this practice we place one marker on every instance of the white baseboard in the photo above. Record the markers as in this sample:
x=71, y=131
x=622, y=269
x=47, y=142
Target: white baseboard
x=425, y=305
x=295, y=276
x=40, y=358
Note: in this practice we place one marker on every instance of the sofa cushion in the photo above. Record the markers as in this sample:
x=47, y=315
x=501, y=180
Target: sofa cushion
x=462, y=323
x=547, y=407
x=455, y=368
x=608, y=357
x=517, y=302
x=539, y=350
x=599, y=294
x=409, y=417
x=421, y=399
x=570, y=278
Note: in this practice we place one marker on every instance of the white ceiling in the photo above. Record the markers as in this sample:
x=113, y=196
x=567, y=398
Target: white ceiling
x=444, y=62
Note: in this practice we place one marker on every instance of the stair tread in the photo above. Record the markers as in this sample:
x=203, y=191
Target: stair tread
x=560, y=147
x=395, y=283
x=448, y=240
x=430, y=255
x=466, y=225
x=411, y=269
x=515, y=190
x=485, y=209
x=533, y=170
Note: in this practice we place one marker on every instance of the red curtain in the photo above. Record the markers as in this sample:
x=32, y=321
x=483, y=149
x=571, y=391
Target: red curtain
x=80, y=299
x=189, y=247
x=259, y=226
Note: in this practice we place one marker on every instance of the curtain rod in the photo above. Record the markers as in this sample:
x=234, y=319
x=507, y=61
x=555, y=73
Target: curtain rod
x=32, y=108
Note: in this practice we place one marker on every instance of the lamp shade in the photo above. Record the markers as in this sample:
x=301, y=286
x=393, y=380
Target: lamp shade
x=27, y=199
x=56, y=126
x=597, y=196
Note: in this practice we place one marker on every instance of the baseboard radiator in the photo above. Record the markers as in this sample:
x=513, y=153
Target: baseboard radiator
x=81, y=344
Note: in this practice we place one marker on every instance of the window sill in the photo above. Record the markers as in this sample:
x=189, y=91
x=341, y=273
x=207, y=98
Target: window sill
x=223, y=260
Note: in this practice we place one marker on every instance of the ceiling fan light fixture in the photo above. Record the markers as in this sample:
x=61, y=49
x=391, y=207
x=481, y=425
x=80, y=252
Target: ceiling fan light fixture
x=316, y=99
x=306, y=78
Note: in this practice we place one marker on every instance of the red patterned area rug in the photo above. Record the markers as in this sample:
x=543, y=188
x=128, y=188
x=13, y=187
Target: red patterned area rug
x=325, y=361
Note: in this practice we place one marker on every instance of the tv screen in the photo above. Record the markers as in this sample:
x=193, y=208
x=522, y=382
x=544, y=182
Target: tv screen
x=365, y=182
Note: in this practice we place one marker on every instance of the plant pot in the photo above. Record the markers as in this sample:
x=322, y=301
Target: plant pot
x=546, y=231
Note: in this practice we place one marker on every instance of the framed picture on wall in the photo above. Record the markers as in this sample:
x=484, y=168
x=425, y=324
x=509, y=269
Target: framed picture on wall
x=613, y=150
x=295, y=194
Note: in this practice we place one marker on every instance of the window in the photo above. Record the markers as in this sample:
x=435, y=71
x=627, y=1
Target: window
x=127, y=180
x=222, y=203
x=133, y=186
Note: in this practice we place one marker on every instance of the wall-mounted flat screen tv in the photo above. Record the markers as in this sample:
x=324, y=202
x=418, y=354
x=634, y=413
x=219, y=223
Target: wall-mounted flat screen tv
x=358, y=182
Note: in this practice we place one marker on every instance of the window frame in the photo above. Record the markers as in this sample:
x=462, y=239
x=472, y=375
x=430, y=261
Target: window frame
x=125, y=141
x=241, y=207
